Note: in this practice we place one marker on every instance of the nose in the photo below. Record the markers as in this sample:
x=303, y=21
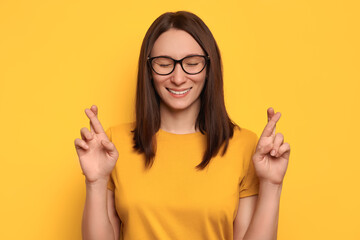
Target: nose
x=178, y=76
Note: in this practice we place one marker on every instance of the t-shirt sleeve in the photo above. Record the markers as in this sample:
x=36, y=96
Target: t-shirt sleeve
x=250, y=183
x=110, y=185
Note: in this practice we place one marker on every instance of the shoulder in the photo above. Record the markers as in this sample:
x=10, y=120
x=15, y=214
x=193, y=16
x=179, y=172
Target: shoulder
x=242, y=146
x=123, y=127
x=244, y=136
x=122, y=130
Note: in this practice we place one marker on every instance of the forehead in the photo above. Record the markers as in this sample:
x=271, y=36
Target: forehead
x=176, y=44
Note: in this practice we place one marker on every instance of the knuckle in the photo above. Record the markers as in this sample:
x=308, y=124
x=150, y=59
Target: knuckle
x=77, y=141
x=288, y=146
x=83, y=130
x=279, y=138
x=280, y=135
x=285, y=147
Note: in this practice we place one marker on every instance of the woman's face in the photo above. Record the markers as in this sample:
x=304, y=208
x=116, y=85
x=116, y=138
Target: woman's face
x=178, y=44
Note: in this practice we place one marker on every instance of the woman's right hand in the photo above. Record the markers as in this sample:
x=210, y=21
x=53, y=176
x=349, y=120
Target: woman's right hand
x=97, y=155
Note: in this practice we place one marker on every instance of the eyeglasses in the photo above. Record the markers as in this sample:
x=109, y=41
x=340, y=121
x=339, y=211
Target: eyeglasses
x=192, y=64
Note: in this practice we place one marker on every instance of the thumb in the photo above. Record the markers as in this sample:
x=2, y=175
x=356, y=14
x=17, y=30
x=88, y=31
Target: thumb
x=263, y=150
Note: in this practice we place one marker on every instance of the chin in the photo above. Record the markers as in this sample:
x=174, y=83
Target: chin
x=177, y=107
x=180, y=106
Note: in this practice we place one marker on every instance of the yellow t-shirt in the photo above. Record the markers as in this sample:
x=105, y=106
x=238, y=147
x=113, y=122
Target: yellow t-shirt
x=173, y=200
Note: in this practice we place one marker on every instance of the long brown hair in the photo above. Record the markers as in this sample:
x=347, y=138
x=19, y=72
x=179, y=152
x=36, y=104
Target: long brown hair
x=212, y=119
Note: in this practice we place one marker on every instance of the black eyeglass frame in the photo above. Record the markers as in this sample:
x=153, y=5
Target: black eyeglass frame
x=207, y=60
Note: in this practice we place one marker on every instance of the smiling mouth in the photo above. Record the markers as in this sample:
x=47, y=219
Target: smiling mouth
x=179, y=92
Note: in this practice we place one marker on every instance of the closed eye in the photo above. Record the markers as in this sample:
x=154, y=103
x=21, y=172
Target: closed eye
x=192, y=64
x=164, y=65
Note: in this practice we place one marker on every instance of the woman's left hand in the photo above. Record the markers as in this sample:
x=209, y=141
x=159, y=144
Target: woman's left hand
x=271, y=156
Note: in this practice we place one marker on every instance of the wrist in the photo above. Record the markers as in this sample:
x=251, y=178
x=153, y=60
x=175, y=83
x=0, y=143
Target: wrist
x=270, y=186
x=98, y=182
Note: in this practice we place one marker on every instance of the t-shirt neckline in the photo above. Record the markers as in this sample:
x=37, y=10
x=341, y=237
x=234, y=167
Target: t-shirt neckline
x=163, y=132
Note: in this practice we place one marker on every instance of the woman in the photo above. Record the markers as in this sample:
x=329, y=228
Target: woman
x=183, y=169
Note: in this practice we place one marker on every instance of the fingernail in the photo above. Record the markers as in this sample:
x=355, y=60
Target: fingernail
x=273, y=152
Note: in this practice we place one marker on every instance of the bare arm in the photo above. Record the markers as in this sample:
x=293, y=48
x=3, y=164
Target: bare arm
x=96, y=222
x=97, y=156
x=264, y=223
x=244, y=215
x=114, y=218
x=270, y=161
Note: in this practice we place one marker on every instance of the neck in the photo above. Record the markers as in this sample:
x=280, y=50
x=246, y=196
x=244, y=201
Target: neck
x=179, y=121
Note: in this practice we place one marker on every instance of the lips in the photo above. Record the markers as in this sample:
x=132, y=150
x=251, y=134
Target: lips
x=179, y=91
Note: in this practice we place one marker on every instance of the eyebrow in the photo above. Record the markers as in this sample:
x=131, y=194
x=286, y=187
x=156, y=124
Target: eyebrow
x=183, y=57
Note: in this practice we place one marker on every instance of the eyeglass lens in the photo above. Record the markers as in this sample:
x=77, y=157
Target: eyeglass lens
x=192, y=64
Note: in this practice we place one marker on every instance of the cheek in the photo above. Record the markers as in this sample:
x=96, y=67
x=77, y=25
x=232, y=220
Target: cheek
x=158, y=84
x=202, y=83
x=200, y=80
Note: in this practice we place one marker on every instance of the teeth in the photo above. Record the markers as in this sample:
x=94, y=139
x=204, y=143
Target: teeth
x=178, y=93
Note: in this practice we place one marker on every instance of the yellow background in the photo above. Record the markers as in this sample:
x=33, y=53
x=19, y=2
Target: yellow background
x=59, y=57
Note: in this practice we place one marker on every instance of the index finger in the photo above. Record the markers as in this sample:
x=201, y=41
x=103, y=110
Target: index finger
x=94, y=121
x=270, y=126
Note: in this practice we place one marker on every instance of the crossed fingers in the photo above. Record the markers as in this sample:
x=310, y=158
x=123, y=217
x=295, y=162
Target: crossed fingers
x=269, y=129
x=95, y=125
